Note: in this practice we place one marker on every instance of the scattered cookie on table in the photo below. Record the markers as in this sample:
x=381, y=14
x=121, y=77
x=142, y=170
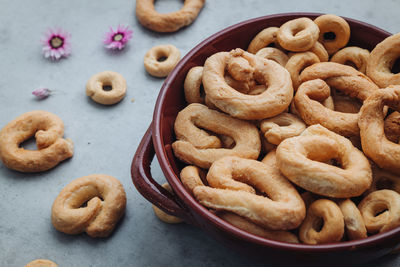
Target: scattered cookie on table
x=107, y=87
x=93, y=204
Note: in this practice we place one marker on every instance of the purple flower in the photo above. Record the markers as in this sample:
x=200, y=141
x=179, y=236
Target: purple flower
x=117, y=39
x=41, y=93
x=56, y=44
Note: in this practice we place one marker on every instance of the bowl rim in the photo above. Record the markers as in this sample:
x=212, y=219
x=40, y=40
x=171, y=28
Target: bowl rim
x=190, y=201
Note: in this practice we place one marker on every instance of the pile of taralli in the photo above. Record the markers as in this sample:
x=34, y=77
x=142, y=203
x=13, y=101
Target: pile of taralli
x=296, y=139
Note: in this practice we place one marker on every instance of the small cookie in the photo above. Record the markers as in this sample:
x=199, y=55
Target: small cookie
x=107, y=87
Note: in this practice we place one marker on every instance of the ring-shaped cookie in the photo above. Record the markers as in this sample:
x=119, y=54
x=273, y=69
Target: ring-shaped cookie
x=320, y=51
x=281, y=127
x=105, y=202
x=354, y=56
x=48, y=130
x=325, y=213
x=195, y=146
x=160, y=60
x=334, y=32
x=270, y=103
x=353, y=220
x=298, y=35
x=192, y=86
x=297, y=63
x=232, y=181
x=302, y=160
x=190, y=177
x=381, y=211
x=263, y=39
x=97, y=84
x=313, y=90
x=375, y=145
x=274, y=54
x=381, y=61
x=167, y=22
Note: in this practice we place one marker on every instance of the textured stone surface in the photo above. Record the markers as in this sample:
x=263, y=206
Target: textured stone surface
x=106, y=137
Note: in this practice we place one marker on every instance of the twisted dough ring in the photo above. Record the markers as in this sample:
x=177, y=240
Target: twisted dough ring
x=298, y=35
x=381, y=210
x=340, y=77
x=95, y=87
x=332, y=227
x=263, y=39
x=320, y=51
x=352, y=55
x=297, y=63
x=273, y=54
x=329, y=23
x=267, y=104
x=48, y=130
x=383, y=152
x=162, y=215
x=169, y=22
x=231, y=181
x=353, y=220
x=281, y=127
x=190, y=177
x=301, y=159
x=106, y=201
x=381, y=60
x=158, y=68
x=192, y=85
x=195, y=146
x=41, y=263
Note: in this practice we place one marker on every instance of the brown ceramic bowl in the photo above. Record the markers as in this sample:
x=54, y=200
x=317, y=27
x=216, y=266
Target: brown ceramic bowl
x=160, y=135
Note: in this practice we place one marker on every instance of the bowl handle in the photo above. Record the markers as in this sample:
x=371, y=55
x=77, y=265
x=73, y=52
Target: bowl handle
x=147, y=186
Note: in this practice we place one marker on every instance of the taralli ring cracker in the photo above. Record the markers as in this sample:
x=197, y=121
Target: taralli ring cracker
x=96, y=87
x=324, y=214
x=353, y=56
x=48, y=129
x=192, y=86
x=298, y=35
x=106, y=201
x=381, y=210
x=281, y=127
x=267, y=104
x=373, y=140
x=196, y=146
x=231, y=181
x=297, y=63
x=263, y=39
x=41, y=263
x=169, y=22
x=273, y=54
x=381, y=61
x=160, y=60
x=334, y=32
x=302, y=160
x=353, y=221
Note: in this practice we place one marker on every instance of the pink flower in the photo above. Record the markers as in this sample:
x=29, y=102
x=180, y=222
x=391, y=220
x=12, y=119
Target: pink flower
x=117, y=39
x=41, y=93
x=56, y=44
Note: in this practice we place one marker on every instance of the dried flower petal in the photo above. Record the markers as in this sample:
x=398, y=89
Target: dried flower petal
x=41, y=93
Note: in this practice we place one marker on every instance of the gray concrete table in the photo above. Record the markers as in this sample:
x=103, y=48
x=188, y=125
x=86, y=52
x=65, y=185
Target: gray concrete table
x=106, y=137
